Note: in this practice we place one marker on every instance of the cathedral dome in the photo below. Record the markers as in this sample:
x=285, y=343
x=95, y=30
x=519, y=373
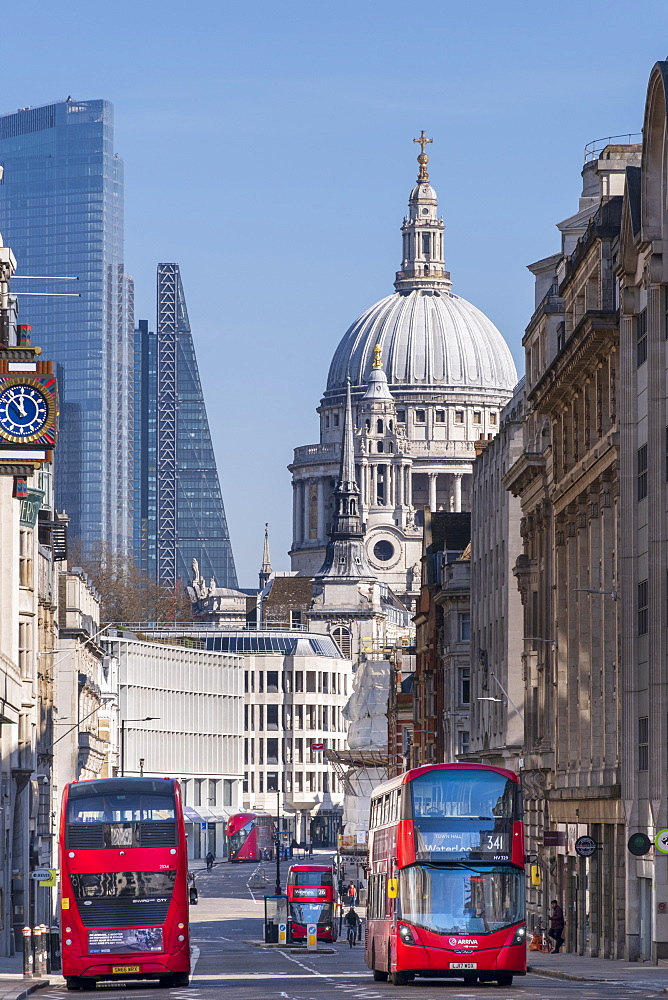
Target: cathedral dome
x=429, y=338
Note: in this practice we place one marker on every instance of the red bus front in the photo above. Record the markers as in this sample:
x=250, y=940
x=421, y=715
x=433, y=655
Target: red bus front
x=310, y=892
x=447, y=883
x=250, y=837
x=124, y=897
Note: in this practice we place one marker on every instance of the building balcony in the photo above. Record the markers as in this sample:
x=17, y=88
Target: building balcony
x=314, y=453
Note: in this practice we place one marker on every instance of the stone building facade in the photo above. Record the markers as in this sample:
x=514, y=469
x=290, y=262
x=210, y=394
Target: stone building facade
x=642, y=270
x=497, y=636
x=567, y=480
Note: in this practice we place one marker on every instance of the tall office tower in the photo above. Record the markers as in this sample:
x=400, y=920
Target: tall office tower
x=61, y=210
x=179, y=514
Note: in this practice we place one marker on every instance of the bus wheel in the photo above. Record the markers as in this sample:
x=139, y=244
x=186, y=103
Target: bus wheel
x=400, y=978
x=378, y=975
x=504, y=979
x=181, y=979
x=73, y=983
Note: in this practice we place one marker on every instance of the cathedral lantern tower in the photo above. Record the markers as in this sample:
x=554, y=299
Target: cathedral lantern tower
x=429, y=374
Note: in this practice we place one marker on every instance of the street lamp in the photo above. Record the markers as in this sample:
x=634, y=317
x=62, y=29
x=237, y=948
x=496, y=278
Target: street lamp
x=147, y=718
x=278, y=838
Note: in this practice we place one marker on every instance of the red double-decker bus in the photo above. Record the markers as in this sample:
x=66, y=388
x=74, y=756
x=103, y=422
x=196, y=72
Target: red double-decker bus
x=250, y=837
x=311, y=900
x=123, y=870
x=447, y=884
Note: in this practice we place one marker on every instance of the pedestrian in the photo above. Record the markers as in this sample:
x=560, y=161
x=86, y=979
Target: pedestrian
x=556, y=930
x=210, y=858
x=352, y=892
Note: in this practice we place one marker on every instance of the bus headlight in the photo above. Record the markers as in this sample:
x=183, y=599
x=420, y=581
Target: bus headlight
x=520, y=936
x=68, y=940
x=406, y=934
x=181, y=937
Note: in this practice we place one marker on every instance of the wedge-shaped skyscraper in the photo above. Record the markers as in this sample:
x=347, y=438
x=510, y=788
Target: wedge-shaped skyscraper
x=180, y=514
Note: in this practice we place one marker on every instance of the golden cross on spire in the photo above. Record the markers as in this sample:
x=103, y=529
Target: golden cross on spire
x=423, y=159
x=423, y=140
x=377, y=359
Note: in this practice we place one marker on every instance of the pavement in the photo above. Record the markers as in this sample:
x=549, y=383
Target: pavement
x=580, y=968
x=12, y=984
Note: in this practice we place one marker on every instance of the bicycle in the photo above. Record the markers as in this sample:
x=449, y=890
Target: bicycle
x=352, y=936
x=541, y=942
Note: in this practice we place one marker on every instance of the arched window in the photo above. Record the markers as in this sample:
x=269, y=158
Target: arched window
x=380, y=446
x=368, y=424
x=344, y=640
x=379, y=426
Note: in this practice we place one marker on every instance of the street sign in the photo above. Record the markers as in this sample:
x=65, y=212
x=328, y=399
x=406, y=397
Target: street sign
x=203, y=826
x=639, y=844
x=554, y=838
x=317, y=746
x=661, y=841
x=586, y=846
x=41, y=874
x=52, y=879
x=311, y=937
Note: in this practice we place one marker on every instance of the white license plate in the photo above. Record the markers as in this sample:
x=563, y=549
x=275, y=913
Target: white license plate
x=463, y=965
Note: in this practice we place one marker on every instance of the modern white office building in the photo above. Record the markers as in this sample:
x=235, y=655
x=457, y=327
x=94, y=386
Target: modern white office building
x=181, y=712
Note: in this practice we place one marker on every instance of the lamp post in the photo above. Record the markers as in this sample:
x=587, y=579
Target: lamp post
x=147, y=718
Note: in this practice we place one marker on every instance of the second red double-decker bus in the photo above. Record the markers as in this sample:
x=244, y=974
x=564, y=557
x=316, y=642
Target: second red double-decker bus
x=447, y=882
x=123, y=871
x=250, y=837
x=311, y=900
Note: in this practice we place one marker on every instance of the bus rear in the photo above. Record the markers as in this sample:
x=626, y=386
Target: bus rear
x=447, y=883
x=311, y=900
x=250, y=837
x=124, y=898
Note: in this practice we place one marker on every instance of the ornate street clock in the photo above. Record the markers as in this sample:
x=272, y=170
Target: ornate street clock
x=28, y=410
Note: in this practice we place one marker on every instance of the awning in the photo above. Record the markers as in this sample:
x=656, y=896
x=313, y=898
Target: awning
x=204, y=814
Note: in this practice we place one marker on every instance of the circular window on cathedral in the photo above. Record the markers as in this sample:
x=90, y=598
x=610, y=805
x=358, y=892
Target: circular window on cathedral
x=383, y=550
x=425, y=211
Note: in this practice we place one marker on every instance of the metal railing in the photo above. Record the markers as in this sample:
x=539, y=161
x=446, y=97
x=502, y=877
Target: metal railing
x=596, y=146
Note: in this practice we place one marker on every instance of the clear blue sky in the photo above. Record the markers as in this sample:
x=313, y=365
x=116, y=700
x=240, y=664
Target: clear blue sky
x=268, y=150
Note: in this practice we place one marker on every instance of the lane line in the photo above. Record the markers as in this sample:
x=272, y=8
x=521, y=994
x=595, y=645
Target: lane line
x=194, y=957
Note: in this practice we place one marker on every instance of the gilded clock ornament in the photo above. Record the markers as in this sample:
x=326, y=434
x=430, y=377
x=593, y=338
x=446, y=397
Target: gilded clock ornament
x=28, y=411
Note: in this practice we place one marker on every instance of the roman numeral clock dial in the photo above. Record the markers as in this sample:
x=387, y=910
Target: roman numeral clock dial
x=24, y=412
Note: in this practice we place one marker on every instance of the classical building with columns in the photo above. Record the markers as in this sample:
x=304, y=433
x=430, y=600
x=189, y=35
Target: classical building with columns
x=429, y=375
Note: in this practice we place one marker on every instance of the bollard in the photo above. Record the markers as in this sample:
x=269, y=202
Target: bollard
x=38, y=950
x=54, y=950
x=44, y=941
x=27, y=953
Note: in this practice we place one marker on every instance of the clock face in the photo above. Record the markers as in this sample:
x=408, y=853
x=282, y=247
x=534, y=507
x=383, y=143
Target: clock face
x=23, y=412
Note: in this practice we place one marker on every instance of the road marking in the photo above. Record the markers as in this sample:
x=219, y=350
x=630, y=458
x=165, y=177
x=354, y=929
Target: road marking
x=194, y=956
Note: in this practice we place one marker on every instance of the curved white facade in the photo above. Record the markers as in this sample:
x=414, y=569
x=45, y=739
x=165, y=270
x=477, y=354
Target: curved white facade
x=429, y=374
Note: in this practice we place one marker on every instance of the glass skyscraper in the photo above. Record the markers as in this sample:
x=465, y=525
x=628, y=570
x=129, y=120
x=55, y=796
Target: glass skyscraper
x=61, y=211
x=179, y=511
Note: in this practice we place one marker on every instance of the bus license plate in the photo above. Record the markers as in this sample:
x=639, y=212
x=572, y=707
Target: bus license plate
x=124, y=970
x=463, y=965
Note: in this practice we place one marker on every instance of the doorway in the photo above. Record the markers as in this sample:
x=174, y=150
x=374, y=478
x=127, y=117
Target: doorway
x=645, y=919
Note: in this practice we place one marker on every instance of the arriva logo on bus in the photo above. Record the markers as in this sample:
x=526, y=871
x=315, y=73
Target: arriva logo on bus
x=473, y=942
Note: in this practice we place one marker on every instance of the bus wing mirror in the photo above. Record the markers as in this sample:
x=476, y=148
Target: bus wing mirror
x=193, y=896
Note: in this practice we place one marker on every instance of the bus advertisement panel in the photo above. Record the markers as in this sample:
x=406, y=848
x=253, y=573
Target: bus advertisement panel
x=311, y=900
x=250, y=837
x=124, y=898
x=446, y=876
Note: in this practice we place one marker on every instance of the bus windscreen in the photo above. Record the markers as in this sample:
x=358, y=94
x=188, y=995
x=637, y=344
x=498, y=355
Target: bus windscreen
x=453, y=901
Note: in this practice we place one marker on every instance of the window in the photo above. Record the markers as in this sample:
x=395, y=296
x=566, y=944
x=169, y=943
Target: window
x=643, y=743
x=464, y=686
x=213, y=792
x=325, y=782
x=299, y=680
x=310, y=680
x=492, y=419
x=379, y=427
x=641, y=338
x=272, y=716
x=260, y=680
x=245, y=784
x=459, y=416
x=643, y=608
x=380, y=447
x=272, y=751
x=299, y=781
x=260, y=781
x=440, y=416
x=642, y=472
x=246, y=682
x=296, y=618
x=325, y=683
x=184, y=789
x=477, y=417
x=426, y=243
x=260, y=717
x=310, y=781
x=464, y=742
x=383, y=550
x=401, y=416
x=228, y=792
x=299, y=751
x=272, y=681
x=299, y=716
x=343, y=640
x=287, y=682
x=260, y=748
x=25, y=558
x=198, y=792
x=464, y=626
x=420, y=416
x=336, y=420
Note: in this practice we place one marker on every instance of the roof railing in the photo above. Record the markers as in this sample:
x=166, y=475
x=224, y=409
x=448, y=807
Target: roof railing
x=596, y=146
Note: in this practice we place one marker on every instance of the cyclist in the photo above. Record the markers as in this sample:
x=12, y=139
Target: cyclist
x=210, y=858
x=353, y=921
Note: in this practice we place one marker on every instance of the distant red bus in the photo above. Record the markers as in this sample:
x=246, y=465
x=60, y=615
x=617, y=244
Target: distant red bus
x=123, y=870
x=446, y=883
x=250, y=837
x=311, y=899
